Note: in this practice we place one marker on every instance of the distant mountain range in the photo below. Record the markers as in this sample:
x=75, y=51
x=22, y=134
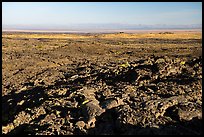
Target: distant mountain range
x=78, y=27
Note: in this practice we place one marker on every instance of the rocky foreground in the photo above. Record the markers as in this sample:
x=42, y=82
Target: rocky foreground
x=150, y=95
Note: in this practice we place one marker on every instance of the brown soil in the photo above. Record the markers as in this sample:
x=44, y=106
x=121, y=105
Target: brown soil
x=108, y=86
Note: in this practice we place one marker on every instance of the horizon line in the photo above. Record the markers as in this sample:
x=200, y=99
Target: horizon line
x=102, y=31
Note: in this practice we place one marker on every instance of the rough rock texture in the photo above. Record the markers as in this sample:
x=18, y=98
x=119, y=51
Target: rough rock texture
x=91, y=89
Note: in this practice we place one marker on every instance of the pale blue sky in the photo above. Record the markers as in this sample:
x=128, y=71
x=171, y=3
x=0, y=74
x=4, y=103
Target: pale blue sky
x=63, y=13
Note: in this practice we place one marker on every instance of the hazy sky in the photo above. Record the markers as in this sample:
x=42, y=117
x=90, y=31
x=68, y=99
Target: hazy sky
x=63, y=13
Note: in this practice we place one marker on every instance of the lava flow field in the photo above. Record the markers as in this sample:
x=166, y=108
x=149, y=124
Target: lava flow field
x=102, y=84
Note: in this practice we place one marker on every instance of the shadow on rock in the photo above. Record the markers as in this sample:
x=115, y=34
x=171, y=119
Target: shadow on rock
x=14, y=103
x=111, y=127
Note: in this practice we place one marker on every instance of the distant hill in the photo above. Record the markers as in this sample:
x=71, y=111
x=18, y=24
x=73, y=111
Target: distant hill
x=100, y=27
